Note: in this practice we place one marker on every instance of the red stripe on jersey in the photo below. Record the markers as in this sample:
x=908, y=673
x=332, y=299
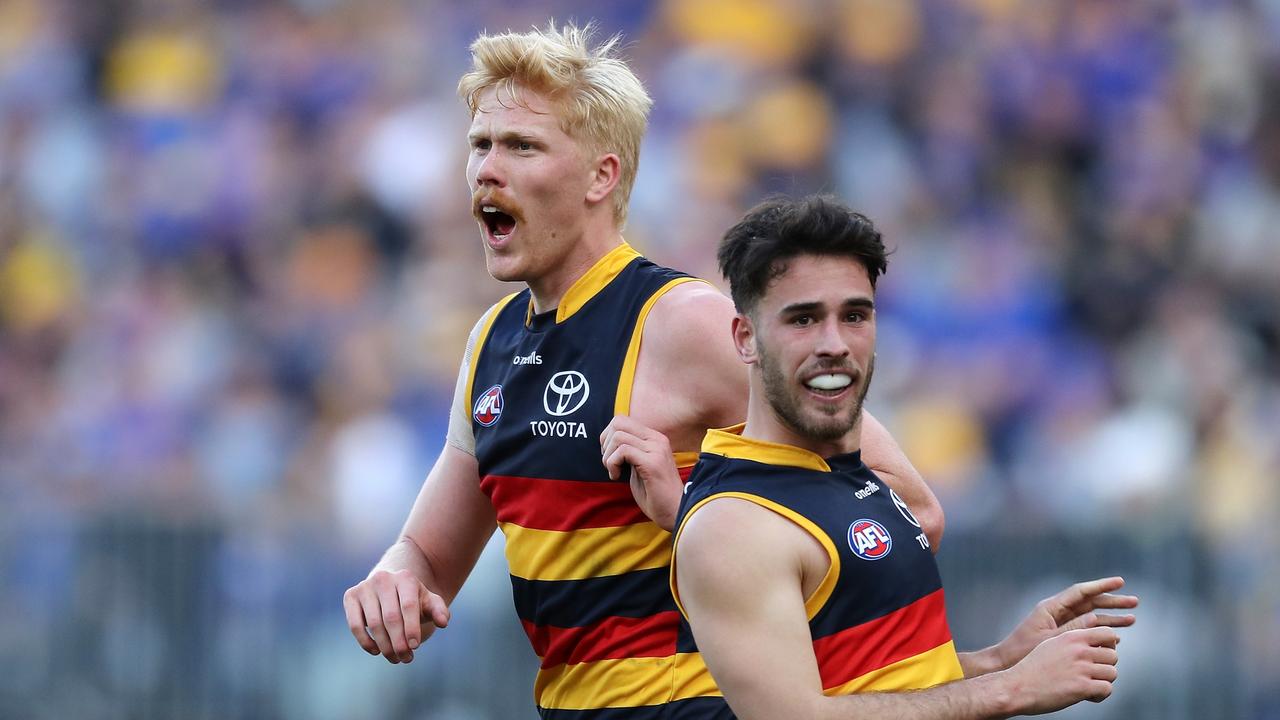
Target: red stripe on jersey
x=611, y=638
x=545, y=504
x=905, y=632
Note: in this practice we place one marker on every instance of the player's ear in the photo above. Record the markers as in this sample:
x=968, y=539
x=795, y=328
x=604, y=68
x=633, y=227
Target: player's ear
x=744, y=338
x=605, y=175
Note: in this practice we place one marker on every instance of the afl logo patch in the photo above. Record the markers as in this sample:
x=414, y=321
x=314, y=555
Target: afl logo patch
x=869, y=540
x=488, y=406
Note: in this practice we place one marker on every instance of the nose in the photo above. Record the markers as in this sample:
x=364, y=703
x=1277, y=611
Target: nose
x=488, y=170
x=830, y=342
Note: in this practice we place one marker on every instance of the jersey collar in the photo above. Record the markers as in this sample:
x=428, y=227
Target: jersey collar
x=592, y=282
x=730, y=443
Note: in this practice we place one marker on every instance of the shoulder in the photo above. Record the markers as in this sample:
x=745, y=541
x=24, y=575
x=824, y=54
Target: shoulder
x=688, y=316
x=728, y=541
x=688, y=373
x=689, y=309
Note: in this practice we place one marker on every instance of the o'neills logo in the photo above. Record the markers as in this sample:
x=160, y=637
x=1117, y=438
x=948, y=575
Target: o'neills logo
x=488, y=406
x=866, y=491
x=566, y=391
x=532, y=358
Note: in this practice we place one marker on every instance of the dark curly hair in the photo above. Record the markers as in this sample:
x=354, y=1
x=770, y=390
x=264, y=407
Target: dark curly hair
x=756, y=250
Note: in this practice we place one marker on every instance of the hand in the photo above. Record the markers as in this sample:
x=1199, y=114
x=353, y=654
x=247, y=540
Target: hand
x=655, y=482
x=392, y=613
x=1071, y=609
x=1076, y=665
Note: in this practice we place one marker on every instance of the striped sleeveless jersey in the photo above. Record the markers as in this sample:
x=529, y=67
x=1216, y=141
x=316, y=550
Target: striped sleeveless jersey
x=878, y=618
x=588, y=568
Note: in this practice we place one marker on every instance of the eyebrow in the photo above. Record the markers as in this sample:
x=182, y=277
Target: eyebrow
x=850, y=303
x=505, y=136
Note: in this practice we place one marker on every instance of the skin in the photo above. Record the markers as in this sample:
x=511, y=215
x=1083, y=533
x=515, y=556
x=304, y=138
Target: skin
x=559, y=193
x=744, y=572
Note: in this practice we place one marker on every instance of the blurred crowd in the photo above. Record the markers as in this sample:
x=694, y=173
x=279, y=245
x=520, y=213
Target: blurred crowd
x=237, y=267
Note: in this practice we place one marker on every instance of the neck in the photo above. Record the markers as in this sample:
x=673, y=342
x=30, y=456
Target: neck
x=549, y=289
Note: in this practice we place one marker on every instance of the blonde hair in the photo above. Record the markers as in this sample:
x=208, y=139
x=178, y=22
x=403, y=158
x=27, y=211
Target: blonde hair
x=601, y=101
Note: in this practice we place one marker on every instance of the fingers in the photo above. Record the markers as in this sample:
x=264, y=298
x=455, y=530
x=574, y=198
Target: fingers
x=356, y=622
x=1062, y=606
x=1115, y=621
x=393, y=624
x=387, y=614
x=376, y=622
x=622, y=446
x=626, y=423
x=1115, y=602
x=1100, y=636
x=422, y=616
x=1098, y=690
x=619, y=456
x=1104, y=672
x=411, y=612
x=1084, y=597
x=433, y=608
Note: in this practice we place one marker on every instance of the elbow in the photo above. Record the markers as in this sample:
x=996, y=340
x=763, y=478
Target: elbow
x=932, y=521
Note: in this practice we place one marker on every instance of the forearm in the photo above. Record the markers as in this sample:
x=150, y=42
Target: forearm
x=984, y=698
x=981, y=662
x=405, y=554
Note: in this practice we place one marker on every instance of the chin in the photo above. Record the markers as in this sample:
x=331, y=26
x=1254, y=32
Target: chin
x=830, y=427
x=504, y=269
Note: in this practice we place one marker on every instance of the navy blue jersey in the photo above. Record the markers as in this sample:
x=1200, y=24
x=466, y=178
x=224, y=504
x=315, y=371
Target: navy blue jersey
x=878, y=618
x=588, y=568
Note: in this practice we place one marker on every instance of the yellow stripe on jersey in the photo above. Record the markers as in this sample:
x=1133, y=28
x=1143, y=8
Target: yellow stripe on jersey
x=585, y=553
x=929, y=668
x=693, y=679
x=626, y=380
x=820, y=594
x=593, y=281
x=730, y=443
x=628, y=682
x=475, y=351
x=685, y=459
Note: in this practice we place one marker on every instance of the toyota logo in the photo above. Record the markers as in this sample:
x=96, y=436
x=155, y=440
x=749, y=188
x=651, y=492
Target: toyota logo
x=902, y=508
x=566, y=391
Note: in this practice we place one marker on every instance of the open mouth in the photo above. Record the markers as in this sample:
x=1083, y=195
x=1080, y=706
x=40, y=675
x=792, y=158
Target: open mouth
x=500, y=224
x=829, y=385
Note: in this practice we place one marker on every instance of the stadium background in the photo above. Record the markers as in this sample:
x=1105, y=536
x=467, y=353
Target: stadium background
x=237, y=268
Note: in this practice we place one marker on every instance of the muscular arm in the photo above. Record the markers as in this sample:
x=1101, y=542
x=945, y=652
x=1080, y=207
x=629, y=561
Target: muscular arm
x=688, y=376
x=406, y=595
x=447, y=528
x=741, y=579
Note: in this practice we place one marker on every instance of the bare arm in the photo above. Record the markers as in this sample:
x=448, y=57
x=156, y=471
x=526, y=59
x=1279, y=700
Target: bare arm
x=882, y=454
x=688, y=376
x=406, y=595
x=740, y=579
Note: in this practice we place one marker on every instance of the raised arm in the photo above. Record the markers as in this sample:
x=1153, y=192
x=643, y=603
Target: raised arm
x=740, y=576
